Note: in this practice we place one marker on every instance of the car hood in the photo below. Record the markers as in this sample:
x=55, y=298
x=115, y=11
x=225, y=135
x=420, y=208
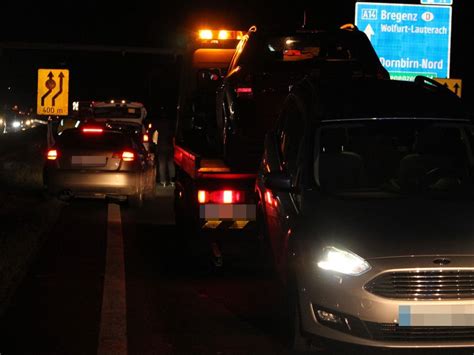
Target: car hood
x=380, y=227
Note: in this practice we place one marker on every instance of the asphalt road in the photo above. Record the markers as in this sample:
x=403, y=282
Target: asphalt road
x=81, y=298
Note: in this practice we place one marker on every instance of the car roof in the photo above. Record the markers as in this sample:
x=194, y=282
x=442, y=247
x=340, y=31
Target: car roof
x=118, y=103
x=349, y=98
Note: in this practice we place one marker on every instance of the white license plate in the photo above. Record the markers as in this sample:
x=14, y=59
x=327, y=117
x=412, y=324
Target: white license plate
x=88, y=160
x=458, y=315
x=228, y=212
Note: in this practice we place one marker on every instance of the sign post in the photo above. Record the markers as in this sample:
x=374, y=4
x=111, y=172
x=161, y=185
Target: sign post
x=410, y=40
x=53, y=92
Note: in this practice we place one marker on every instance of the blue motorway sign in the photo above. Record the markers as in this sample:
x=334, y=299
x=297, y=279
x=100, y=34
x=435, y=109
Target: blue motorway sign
x=410, y=40
x=437, y=2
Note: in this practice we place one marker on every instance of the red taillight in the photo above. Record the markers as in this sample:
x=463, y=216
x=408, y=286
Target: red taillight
x=52, y=154
x=128, y=156
x=293, y=53
x=221, y=196
x=92, y=130
x=244, y=91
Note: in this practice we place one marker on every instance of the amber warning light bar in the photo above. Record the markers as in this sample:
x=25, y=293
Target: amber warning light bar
x=207, y=34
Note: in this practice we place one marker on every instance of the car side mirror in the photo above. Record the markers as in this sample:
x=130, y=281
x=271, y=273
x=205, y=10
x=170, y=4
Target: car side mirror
x=278, y=181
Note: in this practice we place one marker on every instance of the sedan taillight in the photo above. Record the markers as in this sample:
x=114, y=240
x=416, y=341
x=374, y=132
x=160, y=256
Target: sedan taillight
x=52, y=154
x=128, y=156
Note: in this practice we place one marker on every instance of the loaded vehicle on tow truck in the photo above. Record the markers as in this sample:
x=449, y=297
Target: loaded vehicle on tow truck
x=210, y=198
x=222, y=114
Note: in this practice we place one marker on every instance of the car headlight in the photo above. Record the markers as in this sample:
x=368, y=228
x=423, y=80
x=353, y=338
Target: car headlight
x=343, y=261
x=16, y=124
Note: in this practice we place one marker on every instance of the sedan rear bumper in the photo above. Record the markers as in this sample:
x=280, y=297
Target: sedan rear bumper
x=93, y=183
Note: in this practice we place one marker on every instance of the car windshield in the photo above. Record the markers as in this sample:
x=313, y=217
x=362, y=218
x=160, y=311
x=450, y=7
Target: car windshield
x=395, y=155
x=117, y=112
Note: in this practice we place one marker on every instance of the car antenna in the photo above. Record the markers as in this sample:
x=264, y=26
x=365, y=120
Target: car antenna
x=304, y=19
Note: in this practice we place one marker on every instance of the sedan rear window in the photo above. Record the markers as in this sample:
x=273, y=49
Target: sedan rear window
x=107, y=140
x=117, y=112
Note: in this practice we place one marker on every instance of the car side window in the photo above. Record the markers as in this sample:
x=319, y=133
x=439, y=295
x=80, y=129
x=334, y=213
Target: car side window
x=290, y=135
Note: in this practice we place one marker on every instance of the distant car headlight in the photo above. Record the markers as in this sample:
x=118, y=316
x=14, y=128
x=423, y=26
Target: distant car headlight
x=28, y=122
x=343, y=261
x=16, y=124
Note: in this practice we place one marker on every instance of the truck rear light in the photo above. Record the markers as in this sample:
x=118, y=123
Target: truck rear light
x=244, y=91
x=202, y=196
x=128, y=156
x=52, y=154
x=228, y=196
x=221, y=196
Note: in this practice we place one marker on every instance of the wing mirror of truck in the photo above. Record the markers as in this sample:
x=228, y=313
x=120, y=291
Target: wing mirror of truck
x=278, y=181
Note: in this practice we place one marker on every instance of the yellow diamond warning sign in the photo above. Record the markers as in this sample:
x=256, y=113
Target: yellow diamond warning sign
x=455, y=85
x=53, y=92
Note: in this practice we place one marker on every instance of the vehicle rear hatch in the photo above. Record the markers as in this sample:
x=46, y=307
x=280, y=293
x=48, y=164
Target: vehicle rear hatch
x=91, y=151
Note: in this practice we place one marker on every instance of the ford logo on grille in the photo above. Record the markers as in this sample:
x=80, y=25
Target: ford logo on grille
x=442, y=261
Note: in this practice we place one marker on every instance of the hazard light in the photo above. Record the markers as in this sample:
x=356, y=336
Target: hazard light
x=223, y=34
x=207, y=34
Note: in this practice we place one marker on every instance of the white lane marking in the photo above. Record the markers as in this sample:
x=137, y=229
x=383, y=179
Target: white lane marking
x=113, y=318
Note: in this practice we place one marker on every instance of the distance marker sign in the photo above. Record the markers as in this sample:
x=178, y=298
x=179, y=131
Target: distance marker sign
x=410, y=40
x=53, y=92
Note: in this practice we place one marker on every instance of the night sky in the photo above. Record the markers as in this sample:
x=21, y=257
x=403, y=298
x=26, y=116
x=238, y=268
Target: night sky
x=152, y=79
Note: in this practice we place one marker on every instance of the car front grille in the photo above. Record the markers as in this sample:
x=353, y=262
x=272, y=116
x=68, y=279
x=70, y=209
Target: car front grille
x=393, y=332
x=424, y=284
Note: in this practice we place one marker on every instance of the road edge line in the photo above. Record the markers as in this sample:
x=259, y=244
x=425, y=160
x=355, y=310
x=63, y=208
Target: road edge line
x=113, y=317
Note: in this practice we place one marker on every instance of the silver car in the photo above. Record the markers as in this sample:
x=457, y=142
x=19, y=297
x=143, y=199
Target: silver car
x=367, y=204
x=93, y=161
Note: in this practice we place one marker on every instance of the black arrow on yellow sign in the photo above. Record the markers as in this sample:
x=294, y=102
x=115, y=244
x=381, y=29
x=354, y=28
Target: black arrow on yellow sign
x=50, y=85
x=61, y=77
x=456, y=88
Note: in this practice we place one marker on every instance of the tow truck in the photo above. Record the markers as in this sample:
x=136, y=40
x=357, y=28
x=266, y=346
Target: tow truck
x=213, y=202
